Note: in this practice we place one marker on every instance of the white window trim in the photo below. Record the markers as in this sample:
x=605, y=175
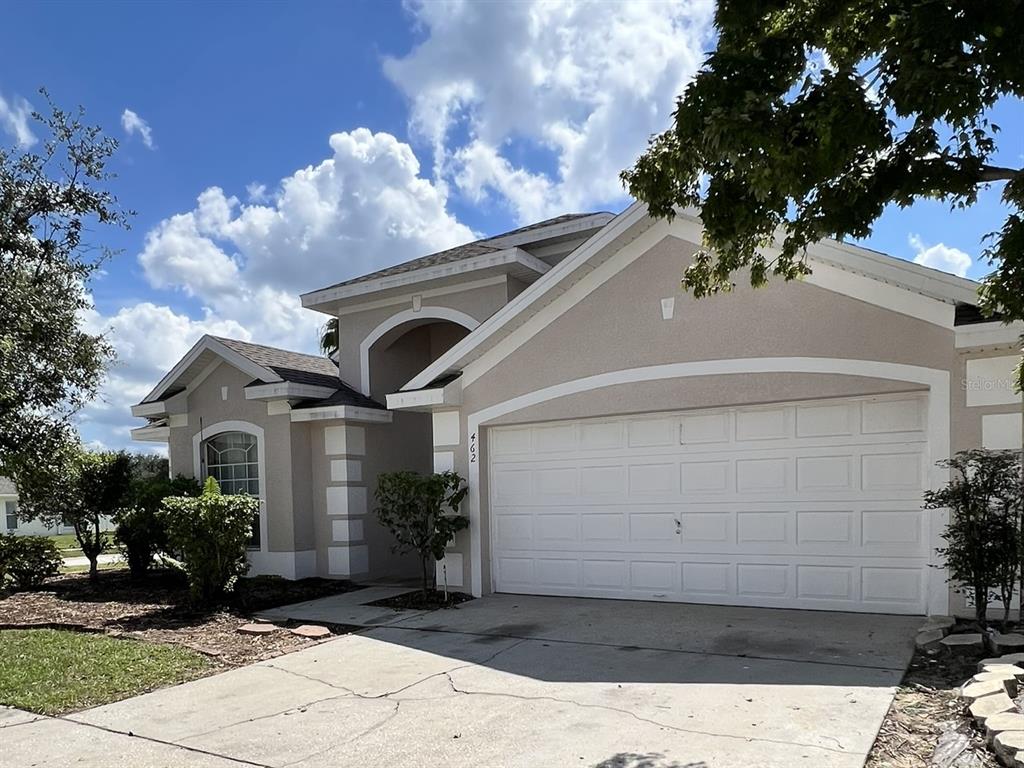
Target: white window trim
x=938, y=425
x=429, y=312
x=261, y=460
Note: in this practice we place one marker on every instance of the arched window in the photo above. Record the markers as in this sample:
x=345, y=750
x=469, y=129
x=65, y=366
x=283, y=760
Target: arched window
x=232, y=459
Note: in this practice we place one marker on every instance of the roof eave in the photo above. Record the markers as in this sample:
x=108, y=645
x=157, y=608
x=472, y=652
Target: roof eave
x=511, y=261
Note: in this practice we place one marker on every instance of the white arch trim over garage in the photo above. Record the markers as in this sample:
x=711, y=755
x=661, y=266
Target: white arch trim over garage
x=261, y=458
x=405, y=316
x=935, y=379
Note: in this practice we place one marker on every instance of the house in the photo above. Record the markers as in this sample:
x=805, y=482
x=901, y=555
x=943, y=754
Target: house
x=620, y=439
x=12, y=523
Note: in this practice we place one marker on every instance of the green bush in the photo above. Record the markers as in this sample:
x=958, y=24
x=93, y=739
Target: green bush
x=983, y=536
x=211, y=532
x=27, y=561
x=141, y=530
x=421, y=511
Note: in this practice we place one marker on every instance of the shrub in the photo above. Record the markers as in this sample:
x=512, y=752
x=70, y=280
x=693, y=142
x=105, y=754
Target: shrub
x=211, y=532
x=415, y=508
x=141, y=530
x=26, y=561
x=983, y=535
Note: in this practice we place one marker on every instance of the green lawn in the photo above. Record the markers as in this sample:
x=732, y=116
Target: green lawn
x=53, y=672
x=85, y=568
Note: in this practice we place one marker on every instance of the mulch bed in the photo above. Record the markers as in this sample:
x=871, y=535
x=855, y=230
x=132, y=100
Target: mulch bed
x=156, y=610
x=927, y=713
x=415, y=601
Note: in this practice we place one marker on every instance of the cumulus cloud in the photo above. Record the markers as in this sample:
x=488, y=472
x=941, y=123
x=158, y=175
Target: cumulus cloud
x=15, y=119
x=363, y=207
x=588, y=82
x=132, y=124
x=148, y=340
x=941, y=256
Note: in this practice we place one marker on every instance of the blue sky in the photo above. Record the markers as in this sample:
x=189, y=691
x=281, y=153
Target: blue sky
x=273, y=148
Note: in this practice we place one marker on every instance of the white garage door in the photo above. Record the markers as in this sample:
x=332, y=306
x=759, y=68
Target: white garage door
x=800, y=505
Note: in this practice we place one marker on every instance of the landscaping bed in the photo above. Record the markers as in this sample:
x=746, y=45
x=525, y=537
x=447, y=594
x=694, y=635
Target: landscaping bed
x=927, y=711
x=417, y=601
x=155, y=610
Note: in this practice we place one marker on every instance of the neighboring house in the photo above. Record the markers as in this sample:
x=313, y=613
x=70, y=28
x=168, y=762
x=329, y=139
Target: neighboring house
x=11, y=522
x=620, y=439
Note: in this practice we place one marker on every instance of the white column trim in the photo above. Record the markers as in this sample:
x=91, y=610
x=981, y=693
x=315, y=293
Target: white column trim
x=937, y=599
x=426, y=312
x=261, y=460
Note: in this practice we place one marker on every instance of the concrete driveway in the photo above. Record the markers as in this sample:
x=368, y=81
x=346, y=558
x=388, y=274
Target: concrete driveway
x=520, y=681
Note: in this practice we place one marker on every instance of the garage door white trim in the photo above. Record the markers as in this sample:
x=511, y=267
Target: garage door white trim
x=808, y=504
x=936, y=380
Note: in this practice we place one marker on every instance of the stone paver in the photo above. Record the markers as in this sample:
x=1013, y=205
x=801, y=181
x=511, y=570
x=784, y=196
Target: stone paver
x=257, y=629
x=943, y=623
x=987, y=706
x=312, y=631
x=976, y=689
x=929, y=638
x=1008, y=743
x=968, y=642
x=1010, y=721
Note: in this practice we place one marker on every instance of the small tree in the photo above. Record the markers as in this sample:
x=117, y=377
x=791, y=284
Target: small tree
x=141, y=530
x=212, y=533
x=422, y=512
x=78, y=488
x=984, y=501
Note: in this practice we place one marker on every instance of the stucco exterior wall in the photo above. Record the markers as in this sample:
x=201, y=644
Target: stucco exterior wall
x=620, y=326
x=288, y=500
x=479, y=303
x=968, y=420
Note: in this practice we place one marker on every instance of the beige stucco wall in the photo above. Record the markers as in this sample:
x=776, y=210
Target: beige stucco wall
x=479, y=303
x=284, y=447
x=966, y=423
x=619, y=326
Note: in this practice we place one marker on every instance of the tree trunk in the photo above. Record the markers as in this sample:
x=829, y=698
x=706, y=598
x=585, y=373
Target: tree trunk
x=426, y=578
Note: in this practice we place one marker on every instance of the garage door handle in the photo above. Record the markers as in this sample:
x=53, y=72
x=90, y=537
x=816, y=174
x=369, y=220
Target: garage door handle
x=679, y=527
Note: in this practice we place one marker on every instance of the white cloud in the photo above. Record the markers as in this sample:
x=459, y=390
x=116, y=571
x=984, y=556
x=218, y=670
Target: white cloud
x=941, y=256
x=15, y=119
x=257, y=192
x=586, y=82
x=148, y=340
x=363, y=207
x=132, y=124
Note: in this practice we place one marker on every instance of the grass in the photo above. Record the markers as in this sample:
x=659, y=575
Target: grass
x=52, y=672
x=102, y=566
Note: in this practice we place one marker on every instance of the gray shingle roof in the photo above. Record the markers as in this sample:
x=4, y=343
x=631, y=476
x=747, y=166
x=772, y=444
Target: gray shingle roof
x=290, y=366
x=301, y=368
x=458, y=253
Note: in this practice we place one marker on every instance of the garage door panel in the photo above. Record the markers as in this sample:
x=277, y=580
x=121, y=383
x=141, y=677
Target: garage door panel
x=768, y=475
x=799, y=505
x=658, y=478
x=764, y=424
x=892, y=472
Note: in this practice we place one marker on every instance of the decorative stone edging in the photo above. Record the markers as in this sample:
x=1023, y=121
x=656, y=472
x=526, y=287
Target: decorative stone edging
x=989, y=697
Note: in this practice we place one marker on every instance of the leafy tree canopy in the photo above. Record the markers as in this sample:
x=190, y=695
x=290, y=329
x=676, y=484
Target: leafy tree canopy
x=811, y=116
x=50, y=365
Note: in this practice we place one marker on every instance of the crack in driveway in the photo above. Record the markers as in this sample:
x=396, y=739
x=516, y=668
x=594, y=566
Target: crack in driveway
x=640, y=718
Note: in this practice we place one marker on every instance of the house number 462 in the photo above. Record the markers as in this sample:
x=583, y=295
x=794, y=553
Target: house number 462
x=472, y=448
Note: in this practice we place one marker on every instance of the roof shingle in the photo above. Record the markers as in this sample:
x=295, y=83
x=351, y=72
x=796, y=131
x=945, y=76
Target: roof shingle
x=458, y=253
